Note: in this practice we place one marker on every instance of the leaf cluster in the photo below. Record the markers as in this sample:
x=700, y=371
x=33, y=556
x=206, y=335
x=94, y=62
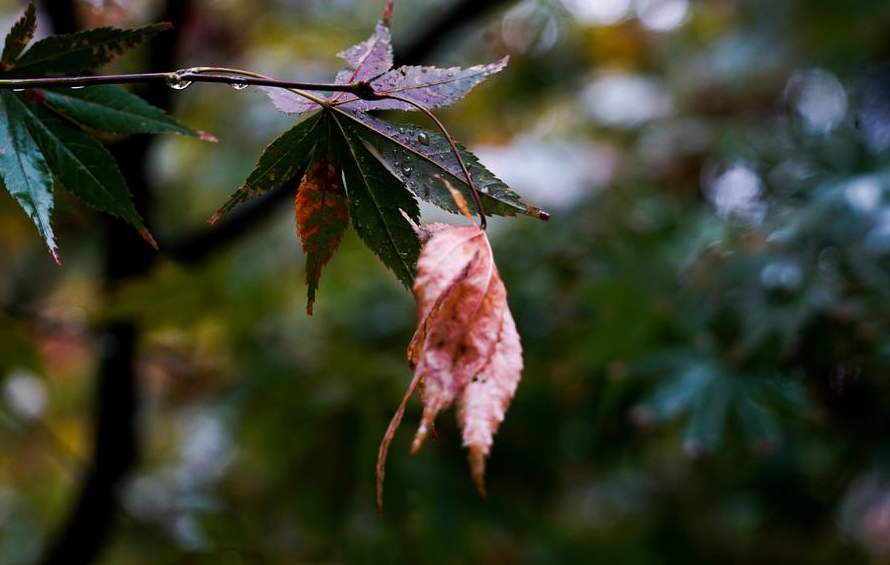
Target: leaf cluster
x=385, y=167
x=48, y=134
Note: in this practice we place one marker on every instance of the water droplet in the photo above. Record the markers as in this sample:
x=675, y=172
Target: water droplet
x=450, y=74
x=407, y=170
x=356, y=202
x=403, y=253
x=18, y=89
x=177, y=83
x=411, y=132
x=423, y=138
x=238, y=85
x=402, y=131
x=77, y=87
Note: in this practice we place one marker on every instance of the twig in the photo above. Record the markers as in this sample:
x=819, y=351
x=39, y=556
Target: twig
x=182, y=78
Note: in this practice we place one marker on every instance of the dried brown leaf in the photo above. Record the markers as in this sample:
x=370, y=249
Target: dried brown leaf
x=466, y=348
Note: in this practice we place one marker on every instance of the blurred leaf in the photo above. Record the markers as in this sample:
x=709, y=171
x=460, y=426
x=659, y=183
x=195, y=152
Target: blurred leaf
x=19, y=37
x=707, y=417
x=67, y=54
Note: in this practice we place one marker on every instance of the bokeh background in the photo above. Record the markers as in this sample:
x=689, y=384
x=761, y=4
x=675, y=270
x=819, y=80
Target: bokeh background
x=705, y=318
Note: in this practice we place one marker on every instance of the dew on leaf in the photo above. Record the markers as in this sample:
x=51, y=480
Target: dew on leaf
x=77, y=87
x=423, y=138
x=239, y=85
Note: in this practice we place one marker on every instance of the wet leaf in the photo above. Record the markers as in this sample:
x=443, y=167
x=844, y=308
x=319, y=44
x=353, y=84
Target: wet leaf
x=80, y=163
x=24, y=170
x=424, y=161
x=378, y=204
x=322, y=215
x=371, y=57
x=431, y=87
x=466, y=348
x=371, y=61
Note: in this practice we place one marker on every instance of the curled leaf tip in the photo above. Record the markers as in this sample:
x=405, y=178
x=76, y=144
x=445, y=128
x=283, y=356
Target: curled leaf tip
x=216, y=216
x=459, y=200
x=387, y=12
x=477, y=469
x=420, y=435
x=55, y=253
x=146, y=235
x=383, y=450
x=544, y=215
x=417, y=229
x=165, y=26
x=204, y=136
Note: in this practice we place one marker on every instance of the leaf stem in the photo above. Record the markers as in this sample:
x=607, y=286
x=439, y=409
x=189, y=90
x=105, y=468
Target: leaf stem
x=460, y=161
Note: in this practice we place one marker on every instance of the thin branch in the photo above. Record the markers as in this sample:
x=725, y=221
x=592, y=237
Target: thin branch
x=182, y=78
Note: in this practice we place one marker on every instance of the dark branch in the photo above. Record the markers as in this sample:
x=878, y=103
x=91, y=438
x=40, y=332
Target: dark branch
x=461, y=13
x=86, y=528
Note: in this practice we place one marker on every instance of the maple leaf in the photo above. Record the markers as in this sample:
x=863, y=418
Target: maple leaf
x=376, y=200
x=322, y=214
x=371, y=61
x=385, y=167
x=466, y=348
x=45, y=133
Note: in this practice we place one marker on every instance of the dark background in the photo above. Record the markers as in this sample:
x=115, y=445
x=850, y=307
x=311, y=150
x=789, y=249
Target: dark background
x=704, y=319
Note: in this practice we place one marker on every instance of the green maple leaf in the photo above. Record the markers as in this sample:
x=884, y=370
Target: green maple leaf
x=45, y=133
x=24, y=170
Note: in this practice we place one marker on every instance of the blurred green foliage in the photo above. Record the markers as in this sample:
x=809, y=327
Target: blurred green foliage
x=704, y=319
